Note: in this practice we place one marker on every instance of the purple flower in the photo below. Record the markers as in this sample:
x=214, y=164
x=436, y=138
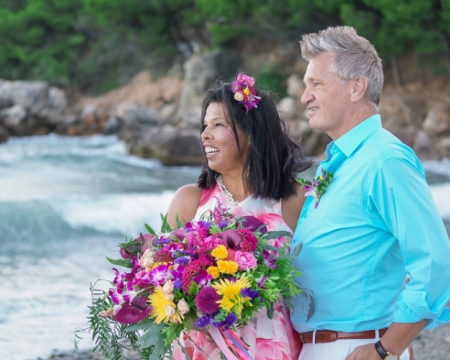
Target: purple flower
x=252, y=223
x=231, y=238
x=179, y=234
x=163, y=240
x=142, y=279
x=202, y=278
x=134, y=312
x=182, y=260
x=252, y=294
x=261, y=281
x=178, y=284
x=203, y=322
x=147, y=241
x=125, y=254
x=227, y=323
x=230, y=320
x=206, y=300
x=160, y=274
x=223, y=224
x=269, y=260
x=178, y=272
x=119, y=296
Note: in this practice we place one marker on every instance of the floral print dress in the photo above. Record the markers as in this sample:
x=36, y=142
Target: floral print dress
x=269, y=339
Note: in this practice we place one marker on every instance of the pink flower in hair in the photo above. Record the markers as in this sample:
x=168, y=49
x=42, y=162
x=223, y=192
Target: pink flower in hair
x=244, y=91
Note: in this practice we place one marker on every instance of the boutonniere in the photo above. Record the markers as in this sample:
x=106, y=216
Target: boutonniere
x=318, y=187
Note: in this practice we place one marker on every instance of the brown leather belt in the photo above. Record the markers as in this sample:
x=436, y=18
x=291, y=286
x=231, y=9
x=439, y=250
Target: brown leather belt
x=327, y=336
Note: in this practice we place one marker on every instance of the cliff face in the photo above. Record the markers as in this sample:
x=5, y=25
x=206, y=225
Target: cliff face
x=159, y=118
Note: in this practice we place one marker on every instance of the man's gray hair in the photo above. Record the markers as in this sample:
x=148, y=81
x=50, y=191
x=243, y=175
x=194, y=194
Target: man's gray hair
x=353, y=56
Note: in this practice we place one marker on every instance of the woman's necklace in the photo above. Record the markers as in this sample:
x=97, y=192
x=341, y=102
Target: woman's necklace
x=226, y=194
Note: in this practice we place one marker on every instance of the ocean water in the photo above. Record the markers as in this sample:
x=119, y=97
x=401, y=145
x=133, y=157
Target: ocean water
x=65, y=203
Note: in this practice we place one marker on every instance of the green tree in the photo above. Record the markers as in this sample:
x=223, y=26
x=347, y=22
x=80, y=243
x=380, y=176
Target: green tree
x=40, y=40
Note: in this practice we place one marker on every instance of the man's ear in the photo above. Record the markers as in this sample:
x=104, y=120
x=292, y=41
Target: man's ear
x=358, y=89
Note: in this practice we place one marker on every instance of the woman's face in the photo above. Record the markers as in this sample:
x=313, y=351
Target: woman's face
x=219, y=142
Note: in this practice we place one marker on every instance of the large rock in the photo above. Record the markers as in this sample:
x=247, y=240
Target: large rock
x=295, y=86
x=54, y=107
x=4, y=134
x=201, y=71
x=32, y=95
x=131, y=113
x=31, y=107
x=170, y=145
x=313, y=141
x=437, y=121
x=13, y=117
x=287, y=108
x=424, y=147
x=444, y=147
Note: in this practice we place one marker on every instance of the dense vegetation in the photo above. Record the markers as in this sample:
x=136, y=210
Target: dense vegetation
x=97, y=44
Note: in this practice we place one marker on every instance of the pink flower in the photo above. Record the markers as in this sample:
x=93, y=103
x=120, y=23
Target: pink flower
x=245, y=260
x=250, y=240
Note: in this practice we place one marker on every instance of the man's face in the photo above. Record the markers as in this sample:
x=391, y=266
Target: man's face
x=327, y=97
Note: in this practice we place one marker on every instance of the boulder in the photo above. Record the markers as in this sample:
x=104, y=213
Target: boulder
x=313, y=141
x=295, y=86
x=6, y=100
x=444, y=147
x=32, y=95
x=437, y=121
x=287, y=108
x=4, y=134
x=424, y=147
x=201, y=71
x=170, y=145
x=13, y=117
x=112, y=126
x=131, y=113
x=54, y=107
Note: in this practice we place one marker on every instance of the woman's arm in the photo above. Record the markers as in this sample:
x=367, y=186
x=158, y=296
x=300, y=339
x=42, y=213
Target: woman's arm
x=184, y=204
x=292, y=207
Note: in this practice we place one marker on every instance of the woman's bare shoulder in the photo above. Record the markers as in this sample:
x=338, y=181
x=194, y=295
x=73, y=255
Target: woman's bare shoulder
x=184, y=204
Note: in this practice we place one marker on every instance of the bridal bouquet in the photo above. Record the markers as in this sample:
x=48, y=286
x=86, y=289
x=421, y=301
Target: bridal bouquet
x=214, y=275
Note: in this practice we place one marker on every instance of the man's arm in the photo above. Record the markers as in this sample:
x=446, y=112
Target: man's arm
x=400, y=200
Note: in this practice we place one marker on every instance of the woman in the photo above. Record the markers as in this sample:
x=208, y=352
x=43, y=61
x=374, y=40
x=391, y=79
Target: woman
x=250, y=167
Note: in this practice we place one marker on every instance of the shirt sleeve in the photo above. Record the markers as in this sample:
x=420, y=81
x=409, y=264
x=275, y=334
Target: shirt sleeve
x=399, y=197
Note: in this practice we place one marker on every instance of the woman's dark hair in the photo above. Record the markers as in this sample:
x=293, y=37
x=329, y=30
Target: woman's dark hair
x=273, y=159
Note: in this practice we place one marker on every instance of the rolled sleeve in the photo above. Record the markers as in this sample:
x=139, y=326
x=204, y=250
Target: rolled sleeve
x=412, y=306
x=400, y=200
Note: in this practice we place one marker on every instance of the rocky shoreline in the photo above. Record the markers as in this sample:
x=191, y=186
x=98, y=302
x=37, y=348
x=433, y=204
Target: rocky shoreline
x=159, y=118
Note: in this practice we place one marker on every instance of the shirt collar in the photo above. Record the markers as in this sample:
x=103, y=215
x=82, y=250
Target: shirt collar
x=350, y=141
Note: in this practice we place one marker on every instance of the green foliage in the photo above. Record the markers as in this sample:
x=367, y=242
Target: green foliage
x=40, y=39
x=100, y=44
x=110, y=337
x=270, y=77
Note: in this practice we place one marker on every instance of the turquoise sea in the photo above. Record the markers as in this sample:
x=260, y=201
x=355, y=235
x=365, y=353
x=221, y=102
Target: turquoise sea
x=65, y=203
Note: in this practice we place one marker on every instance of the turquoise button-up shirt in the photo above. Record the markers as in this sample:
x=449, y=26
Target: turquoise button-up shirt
x=376, y=223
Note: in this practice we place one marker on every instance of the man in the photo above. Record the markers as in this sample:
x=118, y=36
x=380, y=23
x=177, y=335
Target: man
x=376, y=223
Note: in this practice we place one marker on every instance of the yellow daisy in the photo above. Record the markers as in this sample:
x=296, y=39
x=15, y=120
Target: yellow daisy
x=160, y=302
x=231, y=294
